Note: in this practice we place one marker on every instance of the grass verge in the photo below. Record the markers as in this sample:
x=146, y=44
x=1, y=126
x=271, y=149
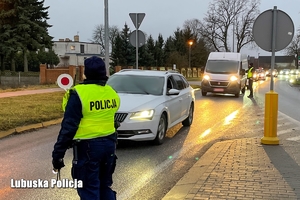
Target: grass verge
x=30, y=109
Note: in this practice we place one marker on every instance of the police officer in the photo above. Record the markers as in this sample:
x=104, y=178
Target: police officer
x=88, y=124
x=250, y=79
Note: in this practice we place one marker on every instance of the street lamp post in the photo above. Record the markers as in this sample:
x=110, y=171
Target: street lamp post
x=106, y=36
x=190, y=45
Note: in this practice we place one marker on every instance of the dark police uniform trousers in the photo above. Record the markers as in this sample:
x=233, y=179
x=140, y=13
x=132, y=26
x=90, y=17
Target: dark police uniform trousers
x=95, y=165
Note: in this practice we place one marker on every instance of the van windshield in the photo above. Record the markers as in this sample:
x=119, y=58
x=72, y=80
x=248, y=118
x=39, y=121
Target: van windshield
x=221, y=66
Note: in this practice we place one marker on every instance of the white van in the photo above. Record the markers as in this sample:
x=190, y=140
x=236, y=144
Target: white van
x=225, y=72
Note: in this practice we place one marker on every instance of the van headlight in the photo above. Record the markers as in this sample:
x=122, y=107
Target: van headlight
x=146, y=114
x=233, y=78
x=206, y=77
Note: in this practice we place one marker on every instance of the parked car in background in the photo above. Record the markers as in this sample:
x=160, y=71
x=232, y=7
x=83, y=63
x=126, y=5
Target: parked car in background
x=284, y=72
x=151, y=103
x=269, y=72
x=294, y=72
x=259, y=74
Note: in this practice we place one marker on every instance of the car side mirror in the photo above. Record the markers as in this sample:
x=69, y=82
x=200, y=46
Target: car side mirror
x=173, y=92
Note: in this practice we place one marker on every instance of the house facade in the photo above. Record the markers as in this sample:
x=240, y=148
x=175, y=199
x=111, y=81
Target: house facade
x=74, y=52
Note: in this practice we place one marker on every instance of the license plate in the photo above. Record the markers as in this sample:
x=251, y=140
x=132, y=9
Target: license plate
x=218, y=89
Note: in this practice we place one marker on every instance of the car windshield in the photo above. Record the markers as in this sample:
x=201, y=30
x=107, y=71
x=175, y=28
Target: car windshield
x=133, y=84
x=221, y=66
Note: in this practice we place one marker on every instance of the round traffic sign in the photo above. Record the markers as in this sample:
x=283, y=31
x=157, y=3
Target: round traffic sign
x=65, y=81
x=141, y=38
x=263, y=30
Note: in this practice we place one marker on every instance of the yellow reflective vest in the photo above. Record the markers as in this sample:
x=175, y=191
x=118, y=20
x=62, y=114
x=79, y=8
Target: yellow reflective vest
x=99, y=105
x=250, y=73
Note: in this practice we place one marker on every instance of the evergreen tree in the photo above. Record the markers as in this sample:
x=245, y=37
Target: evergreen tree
x=117, y=55
x=32, y=27
x=159, y=52
x=123, y=53
x=150, y=48
x=9, y=45
x=23, y=28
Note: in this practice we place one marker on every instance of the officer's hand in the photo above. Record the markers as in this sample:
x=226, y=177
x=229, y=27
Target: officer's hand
x=58, y=163
x=117, y=124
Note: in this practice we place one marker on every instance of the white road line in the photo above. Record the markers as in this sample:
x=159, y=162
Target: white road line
x=294, y=138
x=290, y=118
x=287, y=131
x=284, y=124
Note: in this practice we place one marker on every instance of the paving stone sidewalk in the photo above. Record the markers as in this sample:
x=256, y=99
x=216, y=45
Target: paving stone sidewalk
x=242, y=169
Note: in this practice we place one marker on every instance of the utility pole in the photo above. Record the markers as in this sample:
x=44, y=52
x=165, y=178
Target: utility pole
x=106, y=35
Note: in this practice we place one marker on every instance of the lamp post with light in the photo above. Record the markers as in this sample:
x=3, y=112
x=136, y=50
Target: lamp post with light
x=190, y=45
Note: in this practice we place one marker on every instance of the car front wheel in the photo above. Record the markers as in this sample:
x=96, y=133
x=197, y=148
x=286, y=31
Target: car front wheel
x=189, y=120
x=161, y=130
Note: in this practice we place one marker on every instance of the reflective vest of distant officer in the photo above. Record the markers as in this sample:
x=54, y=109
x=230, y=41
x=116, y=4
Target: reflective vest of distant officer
x=250, y=72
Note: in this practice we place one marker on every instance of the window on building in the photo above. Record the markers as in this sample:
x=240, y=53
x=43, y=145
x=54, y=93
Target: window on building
x=81, y=48
x=72, y=47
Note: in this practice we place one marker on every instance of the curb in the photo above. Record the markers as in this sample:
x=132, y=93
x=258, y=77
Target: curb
x=30, y=127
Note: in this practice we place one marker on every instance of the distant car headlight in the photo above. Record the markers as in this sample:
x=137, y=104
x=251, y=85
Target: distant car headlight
x=280, y=72
x=233, y=78
x=146, y=114
x=206, y=77
x=286, y=73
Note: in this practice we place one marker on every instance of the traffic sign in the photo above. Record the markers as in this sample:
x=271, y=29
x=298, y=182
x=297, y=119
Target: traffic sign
x=65, y=81
x=263, y=30
x=141, y=38
x=137, y=19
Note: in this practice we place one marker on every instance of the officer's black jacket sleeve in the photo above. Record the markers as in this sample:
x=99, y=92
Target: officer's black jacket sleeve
x=69, y=126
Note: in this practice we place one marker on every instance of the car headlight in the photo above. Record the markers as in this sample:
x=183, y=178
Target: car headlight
x=206, y=77
x=146, y=114
x=233, y=78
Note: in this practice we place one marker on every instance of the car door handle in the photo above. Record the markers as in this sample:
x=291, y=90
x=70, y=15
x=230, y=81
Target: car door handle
x=180, y=99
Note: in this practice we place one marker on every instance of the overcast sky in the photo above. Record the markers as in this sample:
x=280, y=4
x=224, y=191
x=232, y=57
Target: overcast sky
x=71, y=17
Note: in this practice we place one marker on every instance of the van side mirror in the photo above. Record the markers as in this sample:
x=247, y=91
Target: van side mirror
x=243, y=72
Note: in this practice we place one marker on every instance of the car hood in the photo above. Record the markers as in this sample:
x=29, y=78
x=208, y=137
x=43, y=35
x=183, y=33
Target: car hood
x=138, y=102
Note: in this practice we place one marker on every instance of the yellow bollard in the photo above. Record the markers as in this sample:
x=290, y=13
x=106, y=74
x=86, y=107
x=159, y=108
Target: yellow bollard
x=271, y=112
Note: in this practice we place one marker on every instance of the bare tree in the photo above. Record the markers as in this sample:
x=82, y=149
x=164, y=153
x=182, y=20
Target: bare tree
x=222, y=15
x=294, y=48
x=194, y=25
x=99, y=35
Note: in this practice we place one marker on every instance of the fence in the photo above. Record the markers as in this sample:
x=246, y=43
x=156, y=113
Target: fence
x=49, y=76
x=19, y=79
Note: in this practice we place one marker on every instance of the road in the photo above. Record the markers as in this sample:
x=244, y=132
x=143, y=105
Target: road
x=143, y=171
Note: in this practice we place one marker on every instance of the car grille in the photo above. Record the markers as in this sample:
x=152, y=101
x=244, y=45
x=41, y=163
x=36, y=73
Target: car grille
x=219, y=83
x=120, y=116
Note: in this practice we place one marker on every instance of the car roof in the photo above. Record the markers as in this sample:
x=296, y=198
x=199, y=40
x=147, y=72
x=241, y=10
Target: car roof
x=139, y=72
